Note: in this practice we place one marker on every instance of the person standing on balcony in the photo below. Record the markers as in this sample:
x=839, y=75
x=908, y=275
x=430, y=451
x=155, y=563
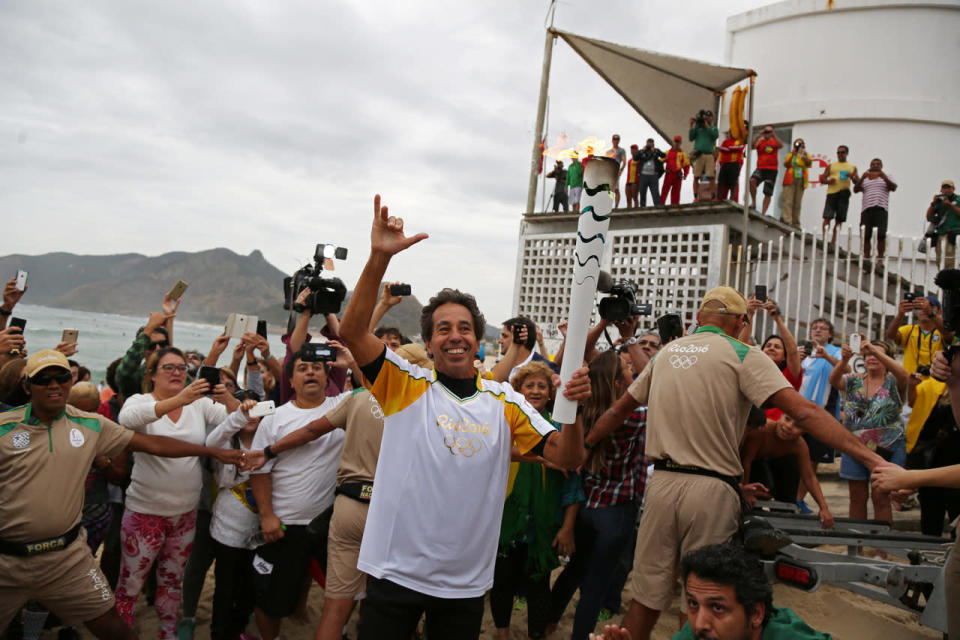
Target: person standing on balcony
x=767, y=144
x=794, y=182
x=575, y=182
x=678, y=167
x=559, y=175
x=837, y=176
x=619, y=154
x=944, y=212
x=876, y=187
x=731, y=159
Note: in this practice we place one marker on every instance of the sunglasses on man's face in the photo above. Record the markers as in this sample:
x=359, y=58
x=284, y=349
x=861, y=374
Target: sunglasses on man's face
x=44, y=379
x=163, y=344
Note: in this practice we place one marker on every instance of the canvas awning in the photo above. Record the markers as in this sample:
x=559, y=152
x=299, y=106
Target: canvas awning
x=666, y=90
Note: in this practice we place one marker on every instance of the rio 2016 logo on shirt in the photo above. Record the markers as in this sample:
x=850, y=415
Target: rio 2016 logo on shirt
x=461, y=426
x=466, y=446
x=683, y=362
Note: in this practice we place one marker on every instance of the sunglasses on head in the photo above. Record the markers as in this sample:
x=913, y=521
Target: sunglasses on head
x=44, y=379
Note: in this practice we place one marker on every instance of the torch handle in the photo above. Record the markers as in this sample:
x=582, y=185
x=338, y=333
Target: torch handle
x=599, y=174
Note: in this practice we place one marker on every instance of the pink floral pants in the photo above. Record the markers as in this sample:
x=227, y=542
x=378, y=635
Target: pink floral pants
x=168, y=540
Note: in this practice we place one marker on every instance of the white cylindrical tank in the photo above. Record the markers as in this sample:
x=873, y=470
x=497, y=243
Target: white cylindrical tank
x=881, y=76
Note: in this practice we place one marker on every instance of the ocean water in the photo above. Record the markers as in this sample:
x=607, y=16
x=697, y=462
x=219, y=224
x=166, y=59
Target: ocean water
x=104, y=337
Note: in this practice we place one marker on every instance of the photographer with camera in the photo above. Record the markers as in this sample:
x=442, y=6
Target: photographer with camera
x=944, y=216
x=293, y=488
x=794, y=182
x=510, y=335
x=678, y=167
x=651, y=161
x=921, y=340
x=704, y=135
x=559, y=175
x=767, y=145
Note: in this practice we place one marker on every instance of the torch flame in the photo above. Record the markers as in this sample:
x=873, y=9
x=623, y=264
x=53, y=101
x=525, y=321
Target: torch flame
x=564, y=150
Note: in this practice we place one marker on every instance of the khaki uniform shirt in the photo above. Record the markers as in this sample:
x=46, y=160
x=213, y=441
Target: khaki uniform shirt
x=699, y=390
x=361, y=417
x=43, y=469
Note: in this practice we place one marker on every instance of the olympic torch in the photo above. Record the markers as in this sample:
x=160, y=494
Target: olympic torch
x=599, y=176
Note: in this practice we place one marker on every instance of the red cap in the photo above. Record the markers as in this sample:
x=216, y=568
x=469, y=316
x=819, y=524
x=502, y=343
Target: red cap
x=633, y=146
x=678, y=138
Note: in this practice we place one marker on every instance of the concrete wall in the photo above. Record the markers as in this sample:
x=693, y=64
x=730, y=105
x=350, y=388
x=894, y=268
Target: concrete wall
x=880, y=76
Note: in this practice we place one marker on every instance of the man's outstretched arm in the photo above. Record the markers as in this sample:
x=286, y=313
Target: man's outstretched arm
x=386, y=240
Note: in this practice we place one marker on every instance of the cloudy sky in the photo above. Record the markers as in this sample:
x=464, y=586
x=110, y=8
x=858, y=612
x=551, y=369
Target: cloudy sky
x=130, y=126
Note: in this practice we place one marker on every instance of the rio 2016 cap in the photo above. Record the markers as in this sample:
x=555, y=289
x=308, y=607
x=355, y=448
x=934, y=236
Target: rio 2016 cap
x=44, y=360
x=732, y=301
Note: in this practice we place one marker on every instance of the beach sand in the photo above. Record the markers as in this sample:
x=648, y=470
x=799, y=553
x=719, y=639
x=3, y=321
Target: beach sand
x=845, y=615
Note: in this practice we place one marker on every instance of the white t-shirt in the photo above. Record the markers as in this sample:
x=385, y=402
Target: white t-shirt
x=168, y=486
x=434, y=519
x=233, y=519
x=303, y=478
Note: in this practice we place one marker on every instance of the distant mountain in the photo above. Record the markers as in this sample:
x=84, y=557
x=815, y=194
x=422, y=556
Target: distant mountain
x=221, y=282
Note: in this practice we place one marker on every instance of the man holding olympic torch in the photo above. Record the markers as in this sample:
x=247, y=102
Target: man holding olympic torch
x=434, y=519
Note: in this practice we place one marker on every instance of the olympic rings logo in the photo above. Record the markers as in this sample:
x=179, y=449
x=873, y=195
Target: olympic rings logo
x=683, y=362
x=469, y=447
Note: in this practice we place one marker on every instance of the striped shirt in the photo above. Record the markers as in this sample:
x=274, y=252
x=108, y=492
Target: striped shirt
x=876, y=193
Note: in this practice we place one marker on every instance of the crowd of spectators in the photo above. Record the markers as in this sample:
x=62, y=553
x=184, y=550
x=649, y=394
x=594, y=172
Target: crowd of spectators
x=716, y=176
x=406, y=475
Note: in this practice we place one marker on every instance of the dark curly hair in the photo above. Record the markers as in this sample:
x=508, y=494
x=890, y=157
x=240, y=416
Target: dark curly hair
x=731, y=564
x=456, y=297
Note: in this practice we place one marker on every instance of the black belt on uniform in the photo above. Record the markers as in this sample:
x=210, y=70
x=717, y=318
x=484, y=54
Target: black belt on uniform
x=359, y=491
x=41, y=546
x=669, y=465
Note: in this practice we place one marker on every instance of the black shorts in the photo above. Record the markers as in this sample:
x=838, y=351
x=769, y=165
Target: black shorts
x=836, y=205
x=279, y=570
x=874, y=218
x=819, y=452
x=768, y=177
x=729, y=175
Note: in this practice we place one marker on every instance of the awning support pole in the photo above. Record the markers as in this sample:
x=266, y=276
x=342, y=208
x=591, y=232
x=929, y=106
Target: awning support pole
x=538, y=127
x=746, y=192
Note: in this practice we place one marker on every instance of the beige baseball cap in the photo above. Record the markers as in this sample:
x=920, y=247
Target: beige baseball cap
x=44, y=360
x=732, y=300
x=947, y=183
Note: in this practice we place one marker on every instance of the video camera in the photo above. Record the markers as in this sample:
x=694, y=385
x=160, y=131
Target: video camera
x=700, y=119
x=318, y=352
x=621, y=304
x=326, y=293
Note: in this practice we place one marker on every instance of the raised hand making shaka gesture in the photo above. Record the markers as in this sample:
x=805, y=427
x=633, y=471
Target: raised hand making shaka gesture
x=387, y=235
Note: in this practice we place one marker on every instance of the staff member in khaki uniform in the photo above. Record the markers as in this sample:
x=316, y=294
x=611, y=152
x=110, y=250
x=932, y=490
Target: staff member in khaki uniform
x=699, y=390
x=46, y=449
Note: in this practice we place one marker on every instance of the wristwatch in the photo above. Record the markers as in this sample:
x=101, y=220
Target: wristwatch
x=630, y=341
x=267, y=451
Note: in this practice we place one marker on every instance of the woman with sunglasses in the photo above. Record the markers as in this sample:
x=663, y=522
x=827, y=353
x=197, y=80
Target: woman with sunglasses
x=160, y=516
x=871, y=411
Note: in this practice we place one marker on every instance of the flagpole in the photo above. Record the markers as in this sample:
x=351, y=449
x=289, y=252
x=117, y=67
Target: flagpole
x=538, y=127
